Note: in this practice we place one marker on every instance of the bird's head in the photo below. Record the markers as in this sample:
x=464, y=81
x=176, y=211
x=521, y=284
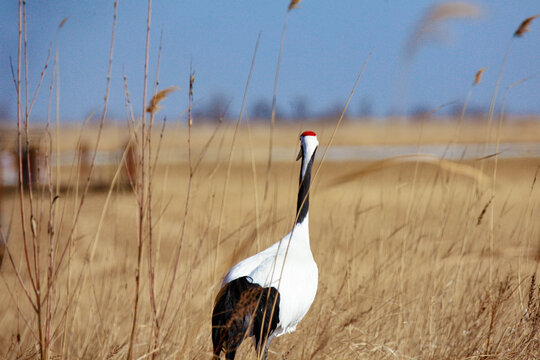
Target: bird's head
x=308, y=145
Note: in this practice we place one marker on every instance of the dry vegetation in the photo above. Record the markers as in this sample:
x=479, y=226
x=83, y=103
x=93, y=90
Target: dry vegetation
x=421, y=259
x=413, y=263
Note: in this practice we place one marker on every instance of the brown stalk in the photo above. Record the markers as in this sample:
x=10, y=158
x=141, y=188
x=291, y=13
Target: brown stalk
x=231, y=153
x=152, y=108
x=495, y=166
x=34, y=277
x=255, y=190
x=33, y=226
x=274, y=98
x=17, y=272
x=96, y=145
x=45, y=339
x=477, y=79
x=130, y=118
x=51, y=232
x=192, y=170
x=19, y=151
x=523, y=28
x=188, y=198
x=40, y=81
x=19, y=310
x=90, y=251
x=484, y=209
x=75, y=202
x=141, y=189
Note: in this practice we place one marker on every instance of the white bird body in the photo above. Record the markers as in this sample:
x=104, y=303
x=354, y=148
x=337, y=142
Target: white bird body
x=298, y=285
x=268, y=294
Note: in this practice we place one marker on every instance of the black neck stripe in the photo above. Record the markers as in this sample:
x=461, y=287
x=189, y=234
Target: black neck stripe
x=302, y=204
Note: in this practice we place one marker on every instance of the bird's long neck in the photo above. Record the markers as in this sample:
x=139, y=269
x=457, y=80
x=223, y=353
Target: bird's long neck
x=302, y=205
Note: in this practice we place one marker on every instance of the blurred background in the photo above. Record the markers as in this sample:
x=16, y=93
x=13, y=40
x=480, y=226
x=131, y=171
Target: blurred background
x=417, y=63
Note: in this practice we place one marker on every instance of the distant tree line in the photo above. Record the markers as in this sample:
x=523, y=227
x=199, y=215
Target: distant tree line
x=300, y=108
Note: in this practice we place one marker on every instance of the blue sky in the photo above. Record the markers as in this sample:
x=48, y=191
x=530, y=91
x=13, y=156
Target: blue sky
x=325, y=47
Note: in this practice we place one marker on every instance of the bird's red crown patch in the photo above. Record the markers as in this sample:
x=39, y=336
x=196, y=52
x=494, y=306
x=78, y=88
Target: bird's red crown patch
x=308, y=133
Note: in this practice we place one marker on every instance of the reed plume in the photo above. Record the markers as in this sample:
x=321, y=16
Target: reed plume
x=63, y=22
x=524, y=27
x=430, y=24
x=153, y=106
x=294, y=4
x=478, y=76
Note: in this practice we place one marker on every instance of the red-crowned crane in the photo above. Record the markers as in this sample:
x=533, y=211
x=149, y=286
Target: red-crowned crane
x=267, y=294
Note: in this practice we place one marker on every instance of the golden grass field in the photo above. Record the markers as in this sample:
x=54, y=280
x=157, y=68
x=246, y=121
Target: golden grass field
x=415, y=261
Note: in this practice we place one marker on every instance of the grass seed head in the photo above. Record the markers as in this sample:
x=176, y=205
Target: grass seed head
x=478, y=76
x=63, y=22
x=524, y=27
x=153, y=106
x=294, y=4
x=429, y=27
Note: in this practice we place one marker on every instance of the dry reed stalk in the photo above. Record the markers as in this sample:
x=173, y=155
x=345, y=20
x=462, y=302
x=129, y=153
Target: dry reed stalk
x=20, y=152
x=32, y=274
x=255, y=190
x=77, y=165
x=483, y=212
x=54, y=270
x=524, y=27
x=17, y=272
x=179, y=248
x=38, y=87
x=153, y=171
x=2, y=245
x=231, y=153
x=130, y=118
x=488, y=137
x=163, y=313
x=14, y=299
x=53, y=228
x=44, y=315
x=168, y=295
x=443, y=164
x=2, y=253
x=94, y=243
x=81, y=202
x=495, y=166
x=274, y=99
x=457, y=131
x=141, y=189
x=152, y=108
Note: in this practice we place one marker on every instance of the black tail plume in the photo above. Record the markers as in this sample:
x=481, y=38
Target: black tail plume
x=242, y=309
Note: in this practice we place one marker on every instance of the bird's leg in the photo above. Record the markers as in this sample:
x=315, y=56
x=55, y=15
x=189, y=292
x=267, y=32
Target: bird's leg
x=229, y=355
x=266, y=346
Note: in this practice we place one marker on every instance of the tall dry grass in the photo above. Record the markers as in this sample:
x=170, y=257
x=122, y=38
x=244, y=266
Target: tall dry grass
x=377, y=298
x=423, y=259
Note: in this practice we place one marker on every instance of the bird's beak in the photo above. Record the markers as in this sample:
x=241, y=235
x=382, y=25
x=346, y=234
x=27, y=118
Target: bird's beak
x=299, y=154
